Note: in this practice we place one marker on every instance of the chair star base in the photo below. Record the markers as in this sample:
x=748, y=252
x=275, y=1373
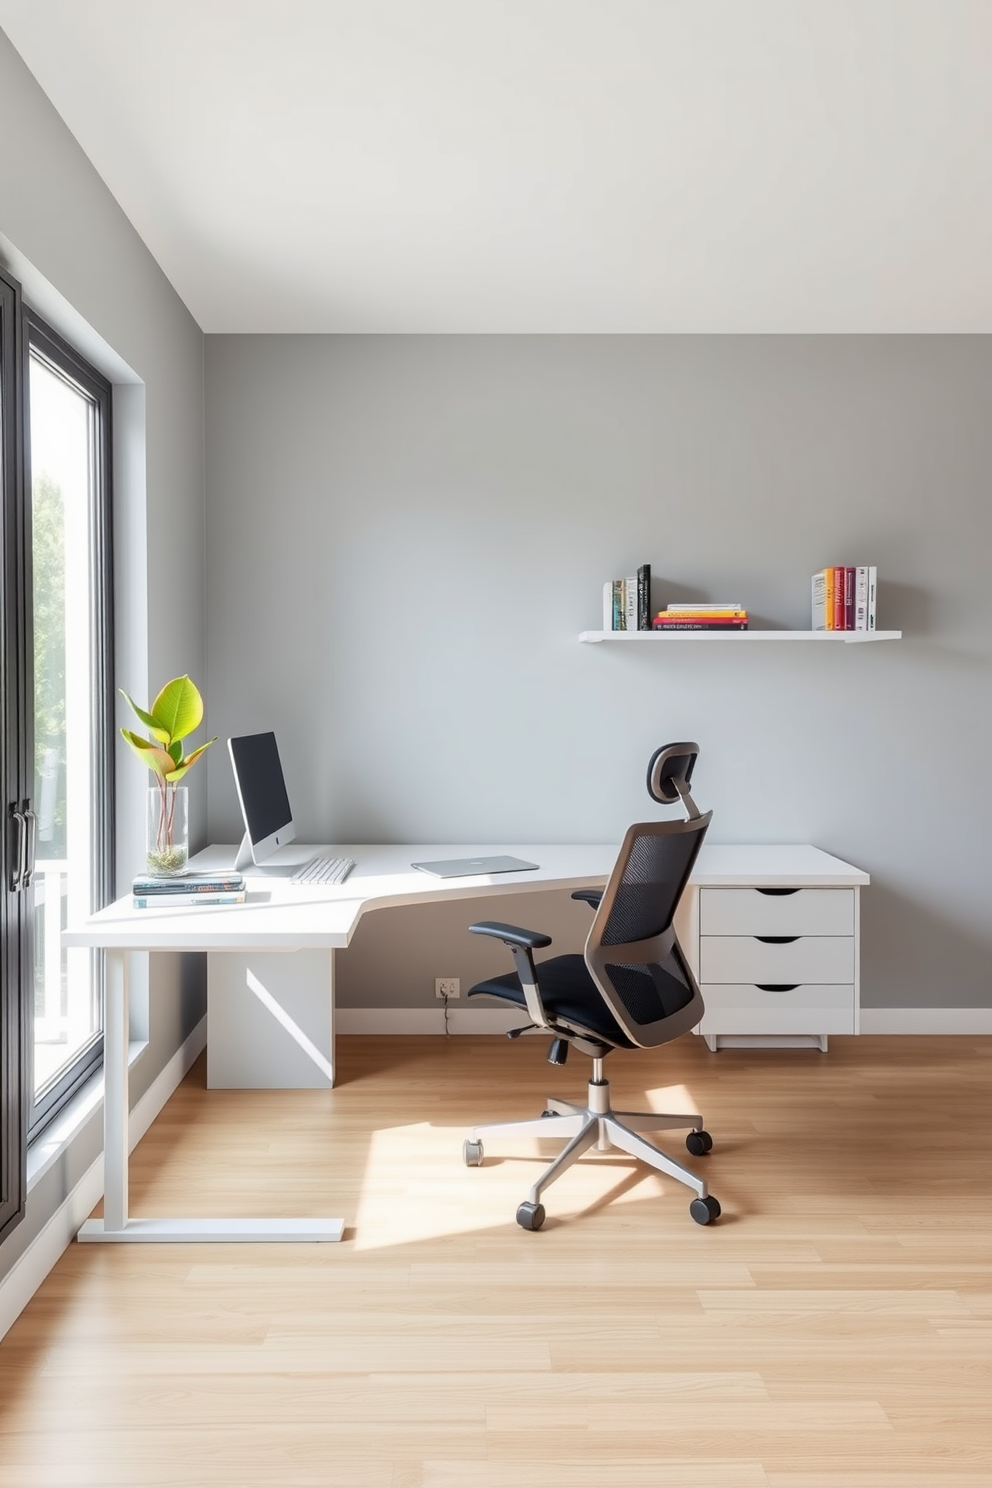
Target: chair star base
x=597, y=1124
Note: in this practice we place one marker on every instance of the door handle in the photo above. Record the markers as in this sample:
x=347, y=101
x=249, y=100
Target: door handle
x=30, y=849
x=776, y=939
x=16, y=880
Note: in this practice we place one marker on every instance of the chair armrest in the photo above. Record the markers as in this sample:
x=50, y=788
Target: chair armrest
x=522, y=944
x=512, y=935
x=591, y=896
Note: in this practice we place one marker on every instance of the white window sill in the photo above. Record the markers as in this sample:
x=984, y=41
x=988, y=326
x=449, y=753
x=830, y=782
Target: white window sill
x=50, y=1143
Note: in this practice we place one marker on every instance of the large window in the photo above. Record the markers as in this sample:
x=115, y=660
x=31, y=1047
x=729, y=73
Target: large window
x=57, y=781
x=69, y=443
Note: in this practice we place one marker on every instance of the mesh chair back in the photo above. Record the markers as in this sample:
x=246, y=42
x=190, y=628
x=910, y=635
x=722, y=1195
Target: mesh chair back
x=632, y=951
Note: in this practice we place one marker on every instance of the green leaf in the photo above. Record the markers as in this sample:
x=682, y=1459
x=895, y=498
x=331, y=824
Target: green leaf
x=150, y=755
x=182, y=765
x=175, y=749
x=179, y=708
x=152, y=724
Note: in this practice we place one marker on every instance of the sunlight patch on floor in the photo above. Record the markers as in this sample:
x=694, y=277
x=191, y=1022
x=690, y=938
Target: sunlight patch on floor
x=438, y=1195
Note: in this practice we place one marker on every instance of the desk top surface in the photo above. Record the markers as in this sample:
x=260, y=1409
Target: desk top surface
x=280, y=915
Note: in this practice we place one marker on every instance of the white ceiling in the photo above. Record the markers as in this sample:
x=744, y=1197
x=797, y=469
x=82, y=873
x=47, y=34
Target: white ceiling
x=541, y=165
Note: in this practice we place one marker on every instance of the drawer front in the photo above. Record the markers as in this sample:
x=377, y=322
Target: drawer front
x=805, y=1009
x=811, y=958
x=752, y=912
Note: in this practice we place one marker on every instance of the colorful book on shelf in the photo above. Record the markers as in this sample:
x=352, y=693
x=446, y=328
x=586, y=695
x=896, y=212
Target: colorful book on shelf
x=644, y=597
x=627, y=602
x=842, y=597
x=702, y=616
x=725, y=608
x=838, y=597
x=630, y=602
x=865, y=579
x=849, y=574
x=188, y=901
x=664, y=622
x=619, y=606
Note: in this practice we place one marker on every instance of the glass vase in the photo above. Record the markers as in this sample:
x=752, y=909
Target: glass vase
x=167, y=830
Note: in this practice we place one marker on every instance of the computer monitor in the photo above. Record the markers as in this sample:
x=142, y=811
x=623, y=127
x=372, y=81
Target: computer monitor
x=264, y=799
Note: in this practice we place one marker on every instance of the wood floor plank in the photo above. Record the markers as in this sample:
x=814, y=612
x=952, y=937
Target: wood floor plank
x=833, y=1330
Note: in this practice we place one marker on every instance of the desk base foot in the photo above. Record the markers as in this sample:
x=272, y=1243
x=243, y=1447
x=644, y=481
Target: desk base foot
x=201, y=1231
x=715, y=1041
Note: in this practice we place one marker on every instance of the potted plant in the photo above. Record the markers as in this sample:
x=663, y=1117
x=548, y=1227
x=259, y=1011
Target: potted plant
x=174, y=714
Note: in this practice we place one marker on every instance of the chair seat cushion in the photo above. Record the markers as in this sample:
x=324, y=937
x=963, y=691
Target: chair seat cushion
x=569, y=994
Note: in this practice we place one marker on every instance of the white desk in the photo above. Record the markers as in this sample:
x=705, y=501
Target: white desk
x=280, y=916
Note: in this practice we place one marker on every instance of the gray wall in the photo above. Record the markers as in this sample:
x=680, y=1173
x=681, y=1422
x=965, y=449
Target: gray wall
x=406, y=535
x=84, y=267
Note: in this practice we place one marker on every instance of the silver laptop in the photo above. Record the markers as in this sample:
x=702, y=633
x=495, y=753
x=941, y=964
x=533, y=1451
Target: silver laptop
x=467, y=867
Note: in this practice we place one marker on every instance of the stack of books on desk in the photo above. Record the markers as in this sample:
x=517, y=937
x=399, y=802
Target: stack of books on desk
x=701, y=617
x=844, y=598
x=187, y=890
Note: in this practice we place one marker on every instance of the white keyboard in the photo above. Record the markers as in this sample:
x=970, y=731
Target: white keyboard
x=323, y=871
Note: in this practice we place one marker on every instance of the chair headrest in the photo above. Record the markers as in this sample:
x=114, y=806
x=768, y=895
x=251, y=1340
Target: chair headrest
x=669, y=773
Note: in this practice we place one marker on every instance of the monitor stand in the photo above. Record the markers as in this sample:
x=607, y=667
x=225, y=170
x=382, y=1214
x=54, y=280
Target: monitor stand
x=283, y=863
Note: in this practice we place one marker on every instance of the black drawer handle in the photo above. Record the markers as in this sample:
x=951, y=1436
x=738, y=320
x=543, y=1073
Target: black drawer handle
x=776, y=939
x=776, y=986
x=778, y=891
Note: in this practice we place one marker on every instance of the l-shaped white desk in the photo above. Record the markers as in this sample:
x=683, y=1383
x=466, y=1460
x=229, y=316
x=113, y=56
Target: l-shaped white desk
x=280, y=917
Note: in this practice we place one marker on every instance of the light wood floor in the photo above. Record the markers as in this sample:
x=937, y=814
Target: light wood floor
x=833, y=1330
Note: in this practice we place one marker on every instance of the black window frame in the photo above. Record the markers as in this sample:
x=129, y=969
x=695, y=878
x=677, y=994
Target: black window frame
x=23, y=333
x=16, y=972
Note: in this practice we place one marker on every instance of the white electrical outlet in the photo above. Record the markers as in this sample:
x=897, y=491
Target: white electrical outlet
x=445, y=987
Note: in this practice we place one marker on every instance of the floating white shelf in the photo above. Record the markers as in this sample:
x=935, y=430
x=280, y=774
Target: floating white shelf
x=849, y=637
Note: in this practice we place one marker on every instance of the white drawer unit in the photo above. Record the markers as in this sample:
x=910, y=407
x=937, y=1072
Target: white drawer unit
x=777, y=963
x=776, y=912
x=758, y=958
x=800, y=1009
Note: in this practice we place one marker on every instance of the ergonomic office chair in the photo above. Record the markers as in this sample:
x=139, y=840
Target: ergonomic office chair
x=632, y=988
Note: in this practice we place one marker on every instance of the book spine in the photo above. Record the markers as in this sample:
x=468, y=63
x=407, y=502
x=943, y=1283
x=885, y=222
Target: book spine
x=644, y=597
x=187, y=901
x=630, y=602
x=861, y=598
x=703, y=612
x=872, y=585
x=619, y=613
x=828, y=599
x=695, y=609
x=664, y=625
x=838, y=591
x=849, y=576
x=819, y=600
x=608, y=605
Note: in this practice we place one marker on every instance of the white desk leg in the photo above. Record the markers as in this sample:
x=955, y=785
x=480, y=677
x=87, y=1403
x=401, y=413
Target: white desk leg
x=332, y=1052
x=115, y=1092
x=115, y=1225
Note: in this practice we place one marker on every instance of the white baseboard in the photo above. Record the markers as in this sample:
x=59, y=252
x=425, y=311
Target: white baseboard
x=498, y=1020
x=30, y=1270
x=960, y=1020
x=428, y=1020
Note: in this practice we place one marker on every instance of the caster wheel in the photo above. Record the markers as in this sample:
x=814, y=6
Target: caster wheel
x=699, y=1143
x=705, y=1211
x=530, y=1216
x=472, y=1153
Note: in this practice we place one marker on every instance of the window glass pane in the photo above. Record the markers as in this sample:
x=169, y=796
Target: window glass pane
x=66, y=1003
